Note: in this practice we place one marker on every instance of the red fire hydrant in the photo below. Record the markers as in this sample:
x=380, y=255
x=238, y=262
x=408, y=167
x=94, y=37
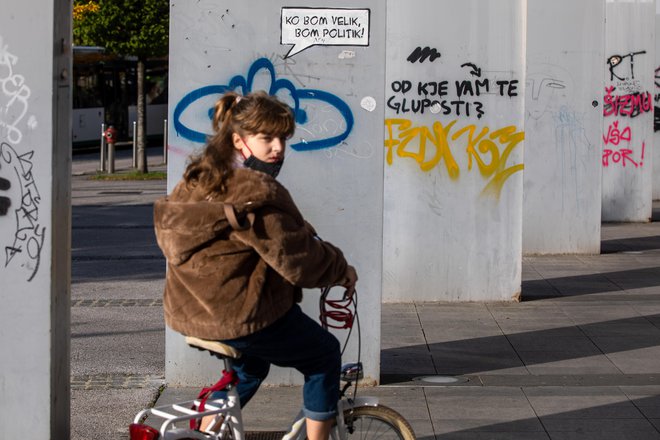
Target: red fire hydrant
x=110, y=135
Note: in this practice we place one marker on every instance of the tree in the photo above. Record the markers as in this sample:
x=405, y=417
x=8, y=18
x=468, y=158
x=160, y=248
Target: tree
x=126, y=28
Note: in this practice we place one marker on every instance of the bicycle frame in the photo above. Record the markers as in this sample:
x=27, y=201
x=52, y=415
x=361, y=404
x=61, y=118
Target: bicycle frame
x=183, y=412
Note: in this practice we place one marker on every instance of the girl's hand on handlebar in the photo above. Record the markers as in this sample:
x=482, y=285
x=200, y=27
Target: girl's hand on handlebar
x=350, y=278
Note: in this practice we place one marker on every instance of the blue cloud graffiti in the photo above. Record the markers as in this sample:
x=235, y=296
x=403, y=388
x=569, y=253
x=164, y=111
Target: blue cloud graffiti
x=276, y=86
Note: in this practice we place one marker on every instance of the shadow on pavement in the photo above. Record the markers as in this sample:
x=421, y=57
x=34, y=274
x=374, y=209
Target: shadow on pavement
x=624, y=418
x=577, y=285
x=579, y=346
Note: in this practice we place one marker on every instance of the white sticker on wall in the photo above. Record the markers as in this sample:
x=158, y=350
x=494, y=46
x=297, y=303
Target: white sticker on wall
x=368, y=103
x=346, y=54
x=306, y=27
x=435, y=108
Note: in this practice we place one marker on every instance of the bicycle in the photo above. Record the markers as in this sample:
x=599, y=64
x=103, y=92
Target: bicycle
x=361, y=416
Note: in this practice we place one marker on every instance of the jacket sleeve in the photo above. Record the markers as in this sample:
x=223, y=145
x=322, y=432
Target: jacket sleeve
x=289, y=245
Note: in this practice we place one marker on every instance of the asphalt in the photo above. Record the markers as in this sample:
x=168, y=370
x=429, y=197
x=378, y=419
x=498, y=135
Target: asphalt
x=578, y=358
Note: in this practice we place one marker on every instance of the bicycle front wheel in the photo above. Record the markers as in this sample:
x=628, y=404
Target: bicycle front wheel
x=377, y=422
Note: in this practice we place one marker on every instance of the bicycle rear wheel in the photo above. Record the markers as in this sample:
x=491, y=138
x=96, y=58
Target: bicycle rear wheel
x=377, y=422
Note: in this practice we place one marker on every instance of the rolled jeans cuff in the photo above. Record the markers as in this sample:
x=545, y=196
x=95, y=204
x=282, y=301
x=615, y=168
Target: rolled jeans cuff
x=320, y=416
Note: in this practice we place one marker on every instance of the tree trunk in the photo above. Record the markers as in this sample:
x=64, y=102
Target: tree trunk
x=141, y=119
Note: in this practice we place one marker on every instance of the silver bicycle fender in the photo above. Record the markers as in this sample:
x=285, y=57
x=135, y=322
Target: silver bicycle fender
x=345, y=404
x=339, y=432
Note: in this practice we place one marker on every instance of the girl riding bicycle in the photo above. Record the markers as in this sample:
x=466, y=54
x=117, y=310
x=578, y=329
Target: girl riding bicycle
x=239, y=253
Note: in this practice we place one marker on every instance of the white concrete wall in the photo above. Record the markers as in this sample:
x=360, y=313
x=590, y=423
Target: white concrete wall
x=35, y=130
x=453, y=180
x=628, y=110
x=563, y=127
x=334, y=163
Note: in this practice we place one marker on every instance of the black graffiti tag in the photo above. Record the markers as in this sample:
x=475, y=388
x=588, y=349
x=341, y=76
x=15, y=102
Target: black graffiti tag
x=28, y=239
x=421, y=55
x=5, y=202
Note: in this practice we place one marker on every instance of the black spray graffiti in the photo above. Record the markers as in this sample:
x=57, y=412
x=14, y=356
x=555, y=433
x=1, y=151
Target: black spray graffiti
x=28, y=240
x=616, y=62
x=5, y=202
x=421, y=55
x=459, y=97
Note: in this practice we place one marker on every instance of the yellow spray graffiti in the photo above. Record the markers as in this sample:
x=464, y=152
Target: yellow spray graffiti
x=489, y=149
x=437, y=136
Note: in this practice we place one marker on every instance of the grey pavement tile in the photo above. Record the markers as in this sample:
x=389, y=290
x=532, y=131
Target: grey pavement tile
x=393, y=341
x=413, y=366
x=496, y=404
x=632, y=327
x=646, y=398
x=582, y=403
x=437, y=312
x=487, y=435
x=583, y=285
x=446, y=335
x=523, y=305
x=468, y=425
x=546, y=341
x=540, y=363
x=605, y=313
x=551, y=326
x=648, y=308
x=601, y=429
x=643, y=392
x=106, y=414
x=625, y=343
x=639, y=361
x=655, y=422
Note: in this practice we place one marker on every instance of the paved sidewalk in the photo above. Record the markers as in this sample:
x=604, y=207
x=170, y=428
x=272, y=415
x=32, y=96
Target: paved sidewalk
x=579, y=358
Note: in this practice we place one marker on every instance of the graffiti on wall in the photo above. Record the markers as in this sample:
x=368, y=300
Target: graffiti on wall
x=20, y=198
x=461, y=97
x=430, y=146
x=28, y=238
x=656, y=99
x=194, y=111
x=14, y=95
x=624, y=100
x=453, y=142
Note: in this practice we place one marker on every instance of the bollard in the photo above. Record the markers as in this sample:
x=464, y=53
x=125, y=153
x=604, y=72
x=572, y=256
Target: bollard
x=102, y=164
x=111, y=137
x=165, y=142
x=134, y=144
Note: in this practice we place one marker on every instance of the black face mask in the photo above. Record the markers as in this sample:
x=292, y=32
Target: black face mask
x=270, y=168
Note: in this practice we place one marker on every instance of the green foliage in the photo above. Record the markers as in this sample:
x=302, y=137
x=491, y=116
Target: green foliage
x=124, y=27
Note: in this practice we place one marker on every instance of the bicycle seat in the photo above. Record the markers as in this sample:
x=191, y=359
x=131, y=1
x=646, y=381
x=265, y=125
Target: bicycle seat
x=215, y=347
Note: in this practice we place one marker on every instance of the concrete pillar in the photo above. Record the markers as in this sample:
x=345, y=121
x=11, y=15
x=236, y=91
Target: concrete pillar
x=328, y=64
x=563, y=127
x=35, y=164
x=453, y=144
x=628, y=110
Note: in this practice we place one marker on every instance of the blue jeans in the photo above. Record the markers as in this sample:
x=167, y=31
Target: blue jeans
x=296, y=341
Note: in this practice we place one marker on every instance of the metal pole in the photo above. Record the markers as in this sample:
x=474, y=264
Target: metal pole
x=165, y=142
x=111, y=157
x=134, y=144
x=102, y=164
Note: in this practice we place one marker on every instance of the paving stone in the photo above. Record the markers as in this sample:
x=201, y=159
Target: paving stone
x=605, y=429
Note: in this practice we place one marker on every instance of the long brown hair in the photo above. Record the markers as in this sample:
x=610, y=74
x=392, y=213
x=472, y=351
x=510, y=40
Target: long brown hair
x=254, y=113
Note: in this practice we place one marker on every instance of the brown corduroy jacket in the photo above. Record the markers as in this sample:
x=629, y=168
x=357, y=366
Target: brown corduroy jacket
x=224, y=283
